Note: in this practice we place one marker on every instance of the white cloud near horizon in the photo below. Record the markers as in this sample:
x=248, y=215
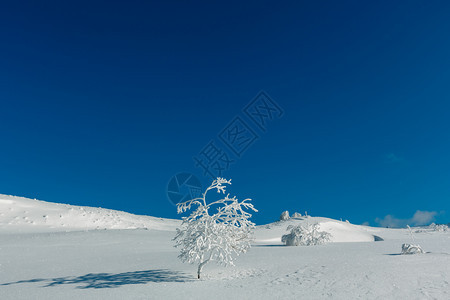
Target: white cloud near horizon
x=419, y=218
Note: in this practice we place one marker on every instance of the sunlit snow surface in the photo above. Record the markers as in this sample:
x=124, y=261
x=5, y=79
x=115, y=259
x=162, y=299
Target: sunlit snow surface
x=58, y=251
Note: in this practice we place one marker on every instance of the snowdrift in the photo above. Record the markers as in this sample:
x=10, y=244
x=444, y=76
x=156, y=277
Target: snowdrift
x=340, y=231
x=19, y=214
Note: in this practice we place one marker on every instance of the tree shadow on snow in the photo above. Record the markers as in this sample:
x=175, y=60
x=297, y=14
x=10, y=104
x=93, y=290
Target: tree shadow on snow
x=108, y=280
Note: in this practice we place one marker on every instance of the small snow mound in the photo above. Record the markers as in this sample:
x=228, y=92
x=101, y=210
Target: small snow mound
x=271, y=234
x=346, y=232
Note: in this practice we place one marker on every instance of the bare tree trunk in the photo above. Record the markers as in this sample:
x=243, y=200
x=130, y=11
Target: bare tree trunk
x=200, y=267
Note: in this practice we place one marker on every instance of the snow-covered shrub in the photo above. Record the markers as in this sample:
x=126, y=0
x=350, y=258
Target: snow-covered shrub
x=440, y=228
x=433, y=228
x=284, y=215
x=411, y=249
x=205, y=237
x=305, y=235
x=296, y=215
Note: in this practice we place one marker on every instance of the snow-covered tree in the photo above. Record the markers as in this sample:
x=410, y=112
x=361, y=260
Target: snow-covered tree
x=433, y=227
x=296, y=215
x=215, y=231
x=305, y=235
x=439, y=228
x=284, y=215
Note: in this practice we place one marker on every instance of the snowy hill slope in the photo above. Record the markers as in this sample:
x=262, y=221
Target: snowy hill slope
x=340, y=231
x=19, y=214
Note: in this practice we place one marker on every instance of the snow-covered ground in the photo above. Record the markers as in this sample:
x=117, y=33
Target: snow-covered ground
x=57, y=251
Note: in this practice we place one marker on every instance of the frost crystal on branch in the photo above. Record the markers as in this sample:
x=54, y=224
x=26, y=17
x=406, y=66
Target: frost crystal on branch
x=205, y=237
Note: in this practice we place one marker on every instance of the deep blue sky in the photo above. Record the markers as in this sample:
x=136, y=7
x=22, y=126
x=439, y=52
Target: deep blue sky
x=103, y=102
